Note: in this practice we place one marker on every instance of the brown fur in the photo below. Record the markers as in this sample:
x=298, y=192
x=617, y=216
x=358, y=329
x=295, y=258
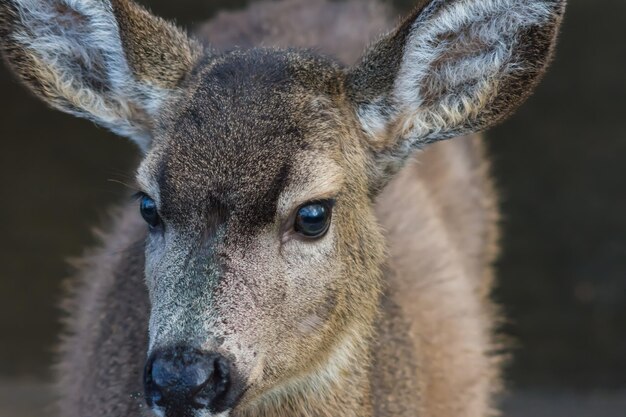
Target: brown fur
x=443, y=208
x=389, y=314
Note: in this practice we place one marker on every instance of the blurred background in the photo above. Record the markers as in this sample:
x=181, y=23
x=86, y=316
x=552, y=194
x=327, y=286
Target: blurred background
x=559, y=163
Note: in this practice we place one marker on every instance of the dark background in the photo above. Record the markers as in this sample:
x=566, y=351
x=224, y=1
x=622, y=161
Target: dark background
x=560, y=165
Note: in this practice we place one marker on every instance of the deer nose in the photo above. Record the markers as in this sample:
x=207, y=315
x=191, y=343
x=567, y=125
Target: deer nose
x=182, y=379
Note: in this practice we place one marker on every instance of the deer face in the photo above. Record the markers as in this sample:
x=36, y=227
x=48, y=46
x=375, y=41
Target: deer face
x=263, y=257
x=265, y=243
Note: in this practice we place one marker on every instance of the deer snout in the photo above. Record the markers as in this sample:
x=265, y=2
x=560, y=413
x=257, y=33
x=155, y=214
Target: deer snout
x=181, y=380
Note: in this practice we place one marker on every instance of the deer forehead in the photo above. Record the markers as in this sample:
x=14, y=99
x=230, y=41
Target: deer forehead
x=253, y=134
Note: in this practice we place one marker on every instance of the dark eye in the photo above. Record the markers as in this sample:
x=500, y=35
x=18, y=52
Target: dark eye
x=149, y=211
x=313, y=219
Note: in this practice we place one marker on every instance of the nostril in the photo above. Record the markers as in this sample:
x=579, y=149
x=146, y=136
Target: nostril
x=222, y=373
x=179, y=378
x=214, y=390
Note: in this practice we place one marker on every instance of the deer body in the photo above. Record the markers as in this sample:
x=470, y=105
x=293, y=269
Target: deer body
x=245, y=297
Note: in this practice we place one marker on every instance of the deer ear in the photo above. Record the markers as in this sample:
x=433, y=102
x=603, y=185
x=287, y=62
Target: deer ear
x=454, y=67
x=106, y=60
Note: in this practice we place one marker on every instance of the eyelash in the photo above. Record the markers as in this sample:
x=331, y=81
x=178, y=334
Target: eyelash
x=136, y=196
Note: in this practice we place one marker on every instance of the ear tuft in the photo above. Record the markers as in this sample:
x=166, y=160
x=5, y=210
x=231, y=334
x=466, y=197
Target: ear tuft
x=110, y=62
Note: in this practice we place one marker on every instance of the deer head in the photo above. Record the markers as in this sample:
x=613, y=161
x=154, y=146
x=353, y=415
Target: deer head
x=263, y=255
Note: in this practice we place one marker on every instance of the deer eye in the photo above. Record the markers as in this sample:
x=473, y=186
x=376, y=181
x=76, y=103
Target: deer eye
x=149, y=212
x=313, y=219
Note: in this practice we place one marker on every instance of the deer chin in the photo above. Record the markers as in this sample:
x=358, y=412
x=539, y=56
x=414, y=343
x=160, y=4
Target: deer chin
x=209, y=414
x=196, y=413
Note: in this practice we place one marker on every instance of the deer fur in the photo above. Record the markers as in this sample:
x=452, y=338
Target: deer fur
x=390, y=313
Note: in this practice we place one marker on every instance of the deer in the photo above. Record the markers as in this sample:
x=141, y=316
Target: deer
x=317, y=222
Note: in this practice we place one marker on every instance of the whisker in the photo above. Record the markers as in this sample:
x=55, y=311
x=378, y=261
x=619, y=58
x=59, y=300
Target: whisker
x=131, y=186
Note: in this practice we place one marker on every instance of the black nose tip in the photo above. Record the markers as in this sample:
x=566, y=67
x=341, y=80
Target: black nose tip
x=180, y=379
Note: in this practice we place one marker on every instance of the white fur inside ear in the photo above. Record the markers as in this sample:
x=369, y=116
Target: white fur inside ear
x=441, y=85
x=77, y=47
